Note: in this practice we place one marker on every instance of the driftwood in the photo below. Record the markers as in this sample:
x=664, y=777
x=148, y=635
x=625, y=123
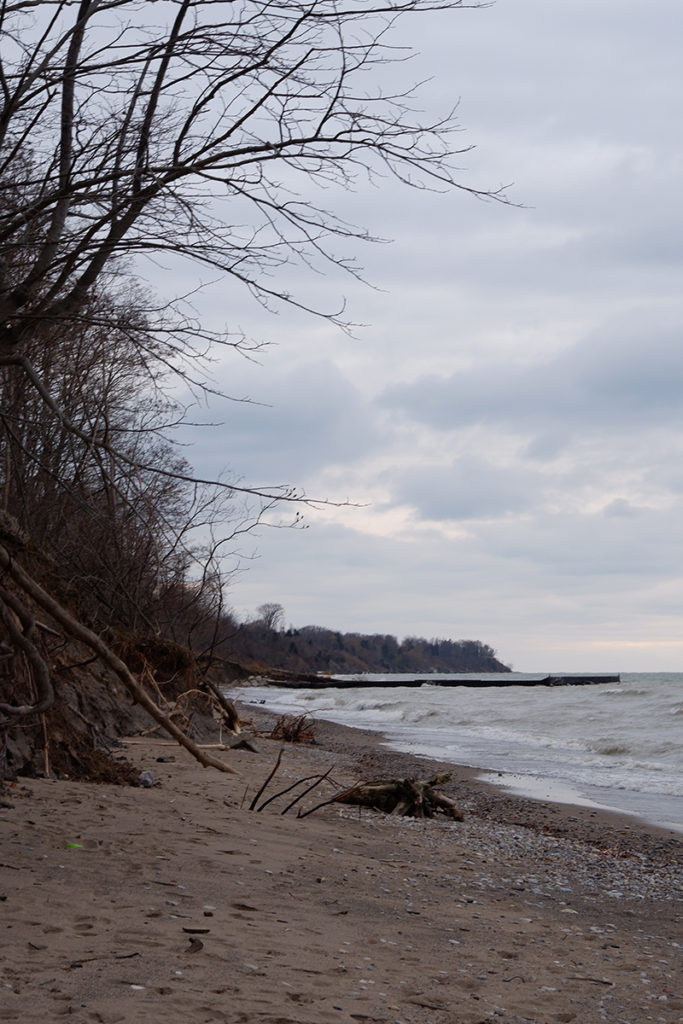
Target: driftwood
x=294, y=729
x=411, y=798
x=230, y=719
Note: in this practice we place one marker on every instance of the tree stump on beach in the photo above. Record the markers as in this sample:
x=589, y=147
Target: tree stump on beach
x=411, y=798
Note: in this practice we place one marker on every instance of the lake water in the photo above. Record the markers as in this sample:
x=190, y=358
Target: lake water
x=614, y=745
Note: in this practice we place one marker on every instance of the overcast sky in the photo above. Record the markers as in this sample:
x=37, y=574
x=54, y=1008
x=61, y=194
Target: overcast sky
x=510, y=417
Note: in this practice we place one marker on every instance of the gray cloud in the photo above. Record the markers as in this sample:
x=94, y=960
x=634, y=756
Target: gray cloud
x=620, y=380
x=467, y=488
x=572, y=547
x=301, y=420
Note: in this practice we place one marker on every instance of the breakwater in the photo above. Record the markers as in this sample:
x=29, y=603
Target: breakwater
x=316, y=682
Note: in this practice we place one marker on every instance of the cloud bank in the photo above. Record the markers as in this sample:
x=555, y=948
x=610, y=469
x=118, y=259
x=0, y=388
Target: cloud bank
x=510, y=419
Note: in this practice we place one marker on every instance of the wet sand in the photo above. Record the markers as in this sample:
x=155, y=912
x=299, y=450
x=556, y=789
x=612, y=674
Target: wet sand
x=177, y=903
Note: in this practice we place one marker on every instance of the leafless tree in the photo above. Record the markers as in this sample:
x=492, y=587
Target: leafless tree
x=271, y=615
x=195, y=130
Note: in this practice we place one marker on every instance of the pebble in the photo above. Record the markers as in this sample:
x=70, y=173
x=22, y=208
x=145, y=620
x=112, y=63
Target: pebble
x=570, y=865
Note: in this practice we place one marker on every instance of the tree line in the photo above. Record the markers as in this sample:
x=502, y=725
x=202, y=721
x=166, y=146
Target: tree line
x=264, y=642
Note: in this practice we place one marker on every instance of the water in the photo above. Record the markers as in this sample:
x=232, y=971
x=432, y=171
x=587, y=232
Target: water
x=615, y=745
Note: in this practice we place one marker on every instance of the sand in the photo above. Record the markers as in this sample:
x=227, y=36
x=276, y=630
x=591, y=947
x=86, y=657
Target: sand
x=177, y=903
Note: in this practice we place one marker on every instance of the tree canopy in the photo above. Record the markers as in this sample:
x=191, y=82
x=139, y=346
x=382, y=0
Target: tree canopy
x=196, y=128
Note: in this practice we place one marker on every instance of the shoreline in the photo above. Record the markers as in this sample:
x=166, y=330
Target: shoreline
x=541, y=787
x=176, y=902
x=658, y=810
x=484, y=794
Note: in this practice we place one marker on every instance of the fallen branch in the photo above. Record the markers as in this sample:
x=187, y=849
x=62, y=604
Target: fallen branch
x=323, y=803
x=283, y=792
x=230, y=716
x=80, y=632
x=262, y=790
x=593, y=981
x=307, y=790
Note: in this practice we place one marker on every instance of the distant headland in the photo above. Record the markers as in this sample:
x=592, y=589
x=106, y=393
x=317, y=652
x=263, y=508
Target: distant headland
x=316, y=649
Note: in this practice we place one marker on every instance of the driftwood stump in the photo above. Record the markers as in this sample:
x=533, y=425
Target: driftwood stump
x=409, y=797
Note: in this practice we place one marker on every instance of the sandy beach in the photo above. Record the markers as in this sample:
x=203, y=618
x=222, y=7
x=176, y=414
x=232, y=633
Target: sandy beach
x=178, y=903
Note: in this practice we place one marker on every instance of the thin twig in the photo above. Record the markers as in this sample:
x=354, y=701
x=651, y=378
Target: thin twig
x=46, y=746
x=253, y=803
x=283, y=791
x=332, y=800
x=307, y=790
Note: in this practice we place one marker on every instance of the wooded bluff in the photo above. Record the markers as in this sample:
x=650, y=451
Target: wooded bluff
x=317, y=649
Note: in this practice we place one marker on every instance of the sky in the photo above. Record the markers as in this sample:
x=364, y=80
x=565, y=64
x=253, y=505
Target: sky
x=507, y=423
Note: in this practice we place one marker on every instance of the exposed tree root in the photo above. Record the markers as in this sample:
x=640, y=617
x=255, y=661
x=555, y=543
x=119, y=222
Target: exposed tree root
x=20, y=626
x=81, y=632
x=294, y=729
